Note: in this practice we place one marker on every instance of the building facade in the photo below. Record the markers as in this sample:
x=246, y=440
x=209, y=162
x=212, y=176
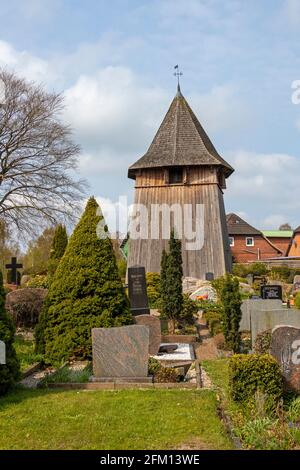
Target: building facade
x=180, y=170
x=279, y=238
x=294, y=248
x=247, y=243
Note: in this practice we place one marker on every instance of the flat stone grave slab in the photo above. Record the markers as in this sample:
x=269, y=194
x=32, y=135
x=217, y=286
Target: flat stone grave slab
x=285, y=347
x=120, y=352
x=153, y=323
x=184, y=352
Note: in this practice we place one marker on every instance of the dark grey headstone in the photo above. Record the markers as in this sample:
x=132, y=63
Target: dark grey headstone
x=137, y=291
x=285, y=347
x=271, y=292
x=209, y=277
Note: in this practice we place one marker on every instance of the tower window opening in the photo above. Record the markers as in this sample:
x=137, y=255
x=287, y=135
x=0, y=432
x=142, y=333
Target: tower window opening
x=175, y=175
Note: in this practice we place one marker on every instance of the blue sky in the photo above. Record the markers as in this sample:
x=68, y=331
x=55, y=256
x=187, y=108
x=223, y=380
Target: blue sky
x=114, y=62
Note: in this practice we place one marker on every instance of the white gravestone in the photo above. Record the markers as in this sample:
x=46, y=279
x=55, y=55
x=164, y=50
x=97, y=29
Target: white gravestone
x=2, y=353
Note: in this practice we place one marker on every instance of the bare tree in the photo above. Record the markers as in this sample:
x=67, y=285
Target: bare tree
x=37, y=157
x=285, y=227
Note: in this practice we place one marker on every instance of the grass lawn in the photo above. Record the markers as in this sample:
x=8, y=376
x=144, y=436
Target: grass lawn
x=25, y=352
x=124, y=419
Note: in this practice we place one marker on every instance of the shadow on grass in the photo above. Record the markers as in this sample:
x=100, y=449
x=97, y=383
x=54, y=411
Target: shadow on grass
x=19, y=394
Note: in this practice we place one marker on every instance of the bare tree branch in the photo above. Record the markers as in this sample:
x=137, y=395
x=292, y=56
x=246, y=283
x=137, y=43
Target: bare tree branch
x=38, y=158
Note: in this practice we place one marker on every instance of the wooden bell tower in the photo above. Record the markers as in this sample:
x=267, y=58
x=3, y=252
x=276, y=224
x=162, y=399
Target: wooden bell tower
x=182, y=167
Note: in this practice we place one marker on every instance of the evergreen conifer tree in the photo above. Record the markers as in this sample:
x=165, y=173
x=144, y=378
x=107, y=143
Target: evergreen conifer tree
x=171, y=281
x=231, y=299
x=86, y=292
x=59, y=245
x=9, y=372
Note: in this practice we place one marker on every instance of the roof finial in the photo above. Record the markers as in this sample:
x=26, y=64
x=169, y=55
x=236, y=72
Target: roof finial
x=178, y=74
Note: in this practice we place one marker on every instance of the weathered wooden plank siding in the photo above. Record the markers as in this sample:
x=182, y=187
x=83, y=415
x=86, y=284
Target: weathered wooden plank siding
x=201, y=188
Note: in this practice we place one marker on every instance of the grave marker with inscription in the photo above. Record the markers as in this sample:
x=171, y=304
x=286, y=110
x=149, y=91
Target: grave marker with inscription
x=271, y=292
x=137, y=290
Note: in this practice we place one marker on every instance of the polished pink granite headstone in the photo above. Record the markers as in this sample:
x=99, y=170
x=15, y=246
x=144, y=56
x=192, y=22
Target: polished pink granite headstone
x=120, y=352
x=285, y=347
x=154, y=331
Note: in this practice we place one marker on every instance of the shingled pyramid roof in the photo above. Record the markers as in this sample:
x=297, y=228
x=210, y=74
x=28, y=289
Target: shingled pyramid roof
x=180, y=141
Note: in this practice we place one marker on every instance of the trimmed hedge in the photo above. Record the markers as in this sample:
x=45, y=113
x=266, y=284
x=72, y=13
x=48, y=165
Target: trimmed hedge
x=249, y=373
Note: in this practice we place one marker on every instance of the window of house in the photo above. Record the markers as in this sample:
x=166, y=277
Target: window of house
x=249, y=241
x=231, y=241
x=175, y=175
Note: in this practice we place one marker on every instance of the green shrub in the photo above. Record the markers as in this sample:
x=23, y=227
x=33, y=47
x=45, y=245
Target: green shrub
x=254, y=372
x=214, y=321
x=188, y=310
x=86, y=292
x=208, y=306
x=9, y=372
x=40, y=281
x=297, y=300
x=166, y=375
x=263, y=342
x=258, y=269
x=153, y=366
x=153, y=289
x=242, y=270
x=281, y=273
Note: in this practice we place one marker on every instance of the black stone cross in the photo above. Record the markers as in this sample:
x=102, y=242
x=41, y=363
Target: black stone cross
x=14, y=266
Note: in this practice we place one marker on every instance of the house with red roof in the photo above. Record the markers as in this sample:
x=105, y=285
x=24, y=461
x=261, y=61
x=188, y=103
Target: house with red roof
x=249, y=244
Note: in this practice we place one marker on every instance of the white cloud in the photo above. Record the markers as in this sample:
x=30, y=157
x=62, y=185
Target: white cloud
x=220, y=108
x=25, y=64
x=114, y=116
x=266, y=187
x=274, y=221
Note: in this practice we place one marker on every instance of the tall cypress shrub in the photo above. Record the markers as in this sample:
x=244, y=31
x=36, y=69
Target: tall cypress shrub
x=9, y=372
x=86, y=292
x=171, y=281
x=58, y=247
x=231, y=299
